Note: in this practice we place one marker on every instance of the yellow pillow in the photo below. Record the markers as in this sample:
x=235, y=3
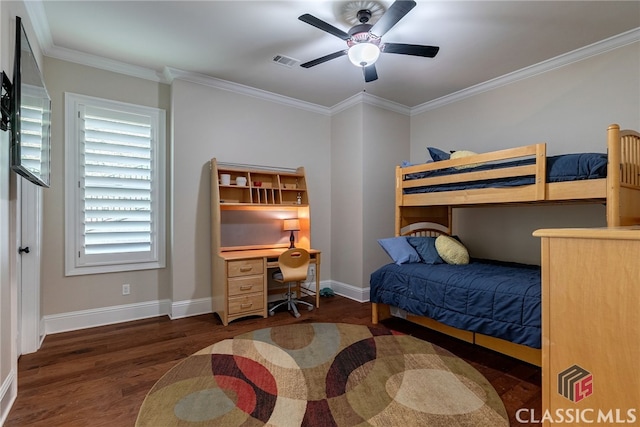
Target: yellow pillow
x=463, y=153
x=451, y=250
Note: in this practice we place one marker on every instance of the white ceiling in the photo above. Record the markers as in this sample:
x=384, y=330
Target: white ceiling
x=236, y=41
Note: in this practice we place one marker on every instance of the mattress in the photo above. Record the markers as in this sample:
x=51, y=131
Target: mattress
x=562, y=168
x=494, y=298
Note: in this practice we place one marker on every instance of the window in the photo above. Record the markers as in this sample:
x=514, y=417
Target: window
x=35, y=127
x=115, y=186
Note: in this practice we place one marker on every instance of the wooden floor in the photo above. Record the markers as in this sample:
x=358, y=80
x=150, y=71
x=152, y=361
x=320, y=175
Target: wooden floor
x=100, y=376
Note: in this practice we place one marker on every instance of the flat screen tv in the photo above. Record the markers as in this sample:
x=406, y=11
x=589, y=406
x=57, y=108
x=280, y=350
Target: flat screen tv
x=31, y=115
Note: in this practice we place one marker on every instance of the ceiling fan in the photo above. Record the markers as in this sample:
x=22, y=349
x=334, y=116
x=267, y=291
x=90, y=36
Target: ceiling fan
x=364, y=41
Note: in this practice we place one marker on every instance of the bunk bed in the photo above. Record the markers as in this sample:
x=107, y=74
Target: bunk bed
x=427, y=193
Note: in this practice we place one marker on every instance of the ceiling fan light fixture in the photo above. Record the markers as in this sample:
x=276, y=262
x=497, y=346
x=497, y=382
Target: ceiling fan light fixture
x=363, y=54
x=364, y=38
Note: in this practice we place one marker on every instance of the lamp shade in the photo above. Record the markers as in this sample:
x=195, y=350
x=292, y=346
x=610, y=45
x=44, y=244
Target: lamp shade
x=291, y=224
x=363, y=54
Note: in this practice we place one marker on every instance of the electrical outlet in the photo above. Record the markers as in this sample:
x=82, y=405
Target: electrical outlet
x=126, y=289
x=312, y=270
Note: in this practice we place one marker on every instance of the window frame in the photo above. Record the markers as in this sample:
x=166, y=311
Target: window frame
x=74, y=234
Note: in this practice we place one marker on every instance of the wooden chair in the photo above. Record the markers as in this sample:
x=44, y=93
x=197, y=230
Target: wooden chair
x=294, y=264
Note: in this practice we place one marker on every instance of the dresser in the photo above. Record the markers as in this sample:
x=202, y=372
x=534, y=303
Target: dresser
x=591, y=325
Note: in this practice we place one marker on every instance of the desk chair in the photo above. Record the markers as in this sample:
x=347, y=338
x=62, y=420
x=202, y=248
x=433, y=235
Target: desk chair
x=293, y=264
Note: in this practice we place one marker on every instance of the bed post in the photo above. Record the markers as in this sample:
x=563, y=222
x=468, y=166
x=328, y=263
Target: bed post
x=398, y=224
x=613, y=175
x=379, y=312
x=541, y=171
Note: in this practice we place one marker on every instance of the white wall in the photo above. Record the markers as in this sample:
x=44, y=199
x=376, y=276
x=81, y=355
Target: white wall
x=347, y=163
x=210, y=122
x=62, y=295
x=386, y=145
x=569, y=108
x=367, y=143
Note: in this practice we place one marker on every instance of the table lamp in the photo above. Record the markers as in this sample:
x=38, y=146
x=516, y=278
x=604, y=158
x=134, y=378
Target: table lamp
x=291, y=225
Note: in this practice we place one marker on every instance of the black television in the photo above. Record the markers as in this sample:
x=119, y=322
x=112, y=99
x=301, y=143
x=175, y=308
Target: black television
x=30, y=120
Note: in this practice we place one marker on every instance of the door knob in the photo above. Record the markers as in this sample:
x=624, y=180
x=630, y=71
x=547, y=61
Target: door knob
x=25, y=250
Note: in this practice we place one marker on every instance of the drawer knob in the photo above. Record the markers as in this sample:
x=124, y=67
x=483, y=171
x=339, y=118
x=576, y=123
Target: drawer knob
x=248, y=305
x=246, y=287
x=246, y=268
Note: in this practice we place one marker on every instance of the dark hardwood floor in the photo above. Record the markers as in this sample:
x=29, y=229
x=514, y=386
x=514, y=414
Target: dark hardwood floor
x=100, y=376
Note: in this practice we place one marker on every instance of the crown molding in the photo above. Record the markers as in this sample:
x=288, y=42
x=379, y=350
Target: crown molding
x=365, y=98
x=38, y=18
x=615, y=42
x=40, y=24
x=385, y=104
x=37, y=15
x=352, y=101
x=102, y=63
x=171, y=74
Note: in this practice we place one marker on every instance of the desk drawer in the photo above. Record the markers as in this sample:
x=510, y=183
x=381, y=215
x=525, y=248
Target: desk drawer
x=246, y=303
x=246, y=285
x=245, y=267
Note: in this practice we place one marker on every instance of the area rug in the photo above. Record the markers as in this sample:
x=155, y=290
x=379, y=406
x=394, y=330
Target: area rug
x=322, y=374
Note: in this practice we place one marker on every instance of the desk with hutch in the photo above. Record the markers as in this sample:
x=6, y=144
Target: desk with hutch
x=243, y=256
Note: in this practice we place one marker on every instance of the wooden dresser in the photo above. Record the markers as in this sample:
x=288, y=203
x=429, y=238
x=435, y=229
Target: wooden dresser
x=591, y=325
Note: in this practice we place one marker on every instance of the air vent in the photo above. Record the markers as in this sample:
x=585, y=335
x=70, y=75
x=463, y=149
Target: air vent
x=285, y=61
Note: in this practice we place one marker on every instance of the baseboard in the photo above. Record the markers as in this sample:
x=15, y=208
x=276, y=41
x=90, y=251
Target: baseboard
x=349, y=291
x=345, y=290
x=196, y=307
x=192, y=307
x=83, y=319
x=8, y=394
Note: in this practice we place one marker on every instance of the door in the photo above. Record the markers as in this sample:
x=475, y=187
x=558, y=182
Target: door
x=29, y=243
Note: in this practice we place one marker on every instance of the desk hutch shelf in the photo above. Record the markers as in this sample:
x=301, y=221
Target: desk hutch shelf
x=239, y=278
x=263, y=187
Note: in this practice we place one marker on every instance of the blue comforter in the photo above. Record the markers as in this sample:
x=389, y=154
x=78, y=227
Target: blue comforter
x=493, y=298
x=566, y=167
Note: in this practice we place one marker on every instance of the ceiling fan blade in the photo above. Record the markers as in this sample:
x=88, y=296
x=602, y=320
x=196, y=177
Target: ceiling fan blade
x=325, y=58
x=396, y=12
x=319, y=23
x=370, y=73
x=410, y=49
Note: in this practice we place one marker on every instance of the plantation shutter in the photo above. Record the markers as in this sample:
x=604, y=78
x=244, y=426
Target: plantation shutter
x=34, y=123
x=116, y=181
x=114, y=186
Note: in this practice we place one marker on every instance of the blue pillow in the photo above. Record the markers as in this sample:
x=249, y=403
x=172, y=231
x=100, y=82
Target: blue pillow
x=426, y=248
x=437, y=154
x=399, y=249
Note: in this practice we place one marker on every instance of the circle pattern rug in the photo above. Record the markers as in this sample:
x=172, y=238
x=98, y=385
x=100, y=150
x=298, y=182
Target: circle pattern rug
x=322, y=374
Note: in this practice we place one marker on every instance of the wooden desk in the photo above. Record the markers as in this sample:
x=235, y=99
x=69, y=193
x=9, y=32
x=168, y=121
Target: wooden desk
x=240, y=279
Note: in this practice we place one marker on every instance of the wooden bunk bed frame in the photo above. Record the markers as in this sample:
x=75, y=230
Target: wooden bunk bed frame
x=415, y=214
